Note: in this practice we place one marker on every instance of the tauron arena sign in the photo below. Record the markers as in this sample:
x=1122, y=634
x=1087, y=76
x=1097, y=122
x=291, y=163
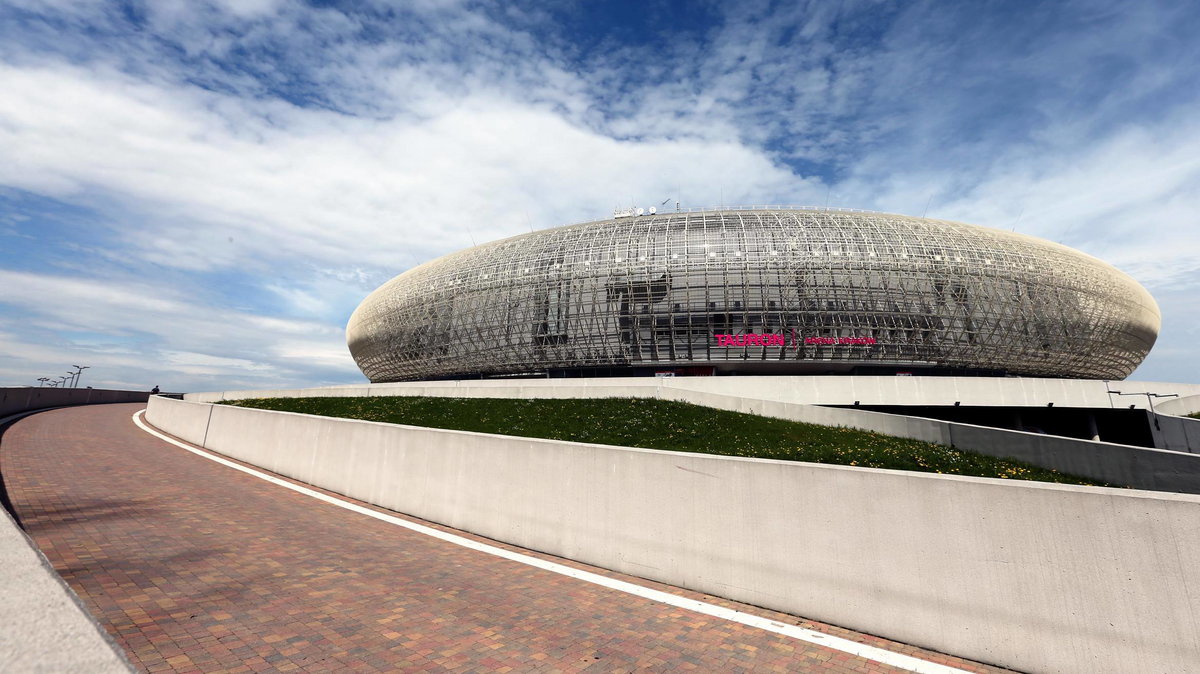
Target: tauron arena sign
x=778, y=339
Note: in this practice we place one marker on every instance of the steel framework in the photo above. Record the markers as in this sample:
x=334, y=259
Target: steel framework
x=758, y=290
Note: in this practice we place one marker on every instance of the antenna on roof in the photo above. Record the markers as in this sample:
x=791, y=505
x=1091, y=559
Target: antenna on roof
x=927, y=202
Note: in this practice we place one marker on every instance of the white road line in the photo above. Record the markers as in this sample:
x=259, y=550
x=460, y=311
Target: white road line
x=837, y=643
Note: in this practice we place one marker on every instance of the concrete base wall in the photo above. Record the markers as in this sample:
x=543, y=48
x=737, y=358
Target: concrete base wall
x=1180, y=407
x=1031, y=576
x=43, y=625
x=20, y=399
x=1123, y=465
x=980, y=391
x=1177, y=433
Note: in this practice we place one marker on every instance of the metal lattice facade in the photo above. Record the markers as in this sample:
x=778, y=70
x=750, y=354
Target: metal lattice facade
x=758, y=291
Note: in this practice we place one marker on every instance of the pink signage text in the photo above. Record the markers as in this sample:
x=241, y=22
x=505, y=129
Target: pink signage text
x=773, y=339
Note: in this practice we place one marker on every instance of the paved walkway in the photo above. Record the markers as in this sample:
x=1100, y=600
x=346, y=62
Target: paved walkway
x=192, y=566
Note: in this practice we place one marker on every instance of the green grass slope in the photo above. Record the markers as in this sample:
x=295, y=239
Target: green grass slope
x=660, y=424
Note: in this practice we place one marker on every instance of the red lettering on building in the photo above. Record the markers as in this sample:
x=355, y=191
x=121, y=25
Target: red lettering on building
x=776, y=339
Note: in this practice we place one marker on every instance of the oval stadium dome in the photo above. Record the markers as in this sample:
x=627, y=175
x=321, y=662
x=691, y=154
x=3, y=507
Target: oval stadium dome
x=757, y=291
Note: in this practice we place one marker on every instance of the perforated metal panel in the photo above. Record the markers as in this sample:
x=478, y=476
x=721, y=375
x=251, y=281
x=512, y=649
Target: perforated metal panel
x=758, y=291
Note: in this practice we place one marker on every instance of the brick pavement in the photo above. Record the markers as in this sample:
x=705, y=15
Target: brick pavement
x=194, y=567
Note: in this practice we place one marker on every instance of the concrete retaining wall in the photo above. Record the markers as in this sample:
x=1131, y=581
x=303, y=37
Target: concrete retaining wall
x=636, y=387
x=1138, y=467
x=1176, y=430
x=20, y=399
x=43, y=625
x=1180, y=407
x=1181, y=434
x=808, y=390
x=1122, y=465
x=1031, y=576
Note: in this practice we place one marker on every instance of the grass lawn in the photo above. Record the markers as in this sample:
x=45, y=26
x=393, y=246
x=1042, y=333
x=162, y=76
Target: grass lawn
x=660, y=424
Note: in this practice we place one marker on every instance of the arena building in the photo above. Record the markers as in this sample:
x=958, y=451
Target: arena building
x=757, y=291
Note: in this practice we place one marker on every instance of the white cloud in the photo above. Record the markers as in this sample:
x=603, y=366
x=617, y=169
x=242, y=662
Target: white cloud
x=280, y=181
x=137, y=334
x=316, y=164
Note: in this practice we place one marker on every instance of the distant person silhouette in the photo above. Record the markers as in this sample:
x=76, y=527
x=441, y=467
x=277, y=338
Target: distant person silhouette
x=154, y=390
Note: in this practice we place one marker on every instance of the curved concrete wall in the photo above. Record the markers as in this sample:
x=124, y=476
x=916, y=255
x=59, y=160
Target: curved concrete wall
x=1026, y=575
x=20, y=399
x=43, y=625
x=1182, y=406
x=1125, y=465
x=1122, y=465
x=868, y=391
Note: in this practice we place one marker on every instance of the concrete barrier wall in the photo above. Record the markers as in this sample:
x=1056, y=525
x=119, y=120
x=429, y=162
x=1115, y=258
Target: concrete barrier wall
x=906, y=390
x=1181, y=434
x=806, y=390
x=1138, y=467
x=189, y=421
x=20, y=399
x=1031, y=576
x=43, y=625
x=915, y=428
x=1180, y=407
x=933, y=391
x=43, y=628
x=632, y=387
x=1123, y=465
x=1176, y=430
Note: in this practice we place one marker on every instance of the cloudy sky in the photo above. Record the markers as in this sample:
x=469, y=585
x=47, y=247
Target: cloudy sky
x=197, y=193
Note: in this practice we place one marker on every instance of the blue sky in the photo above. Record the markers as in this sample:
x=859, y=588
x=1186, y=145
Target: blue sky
x=197, y=194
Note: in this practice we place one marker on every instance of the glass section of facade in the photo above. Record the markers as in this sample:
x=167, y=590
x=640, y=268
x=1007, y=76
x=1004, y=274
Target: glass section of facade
x=758, y=291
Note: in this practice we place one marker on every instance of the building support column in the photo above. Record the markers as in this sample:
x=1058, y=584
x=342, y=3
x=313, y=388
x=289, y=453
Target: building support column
x=1092, y=429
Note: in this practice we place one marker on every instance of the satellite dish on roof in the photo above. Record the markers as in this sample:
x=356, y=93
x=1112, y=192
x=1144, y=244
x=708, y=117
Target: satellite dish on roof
x=641, y=211
x=653, y=210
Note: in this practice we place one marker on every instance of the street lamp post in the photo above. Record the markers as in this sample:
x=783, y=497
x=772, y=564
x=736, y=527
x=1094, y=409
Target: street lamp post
x=78, y=371
x=1149, y=401
x=43, y=380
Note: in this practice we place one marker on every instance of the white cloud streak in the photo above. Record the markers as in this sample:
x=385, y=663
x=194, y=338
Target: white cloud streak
x=137, y=335
x=324, y=163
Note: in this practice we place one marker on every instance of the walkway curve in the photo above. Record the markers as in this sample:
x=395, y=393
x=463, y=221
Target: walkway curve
x=194, y=567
